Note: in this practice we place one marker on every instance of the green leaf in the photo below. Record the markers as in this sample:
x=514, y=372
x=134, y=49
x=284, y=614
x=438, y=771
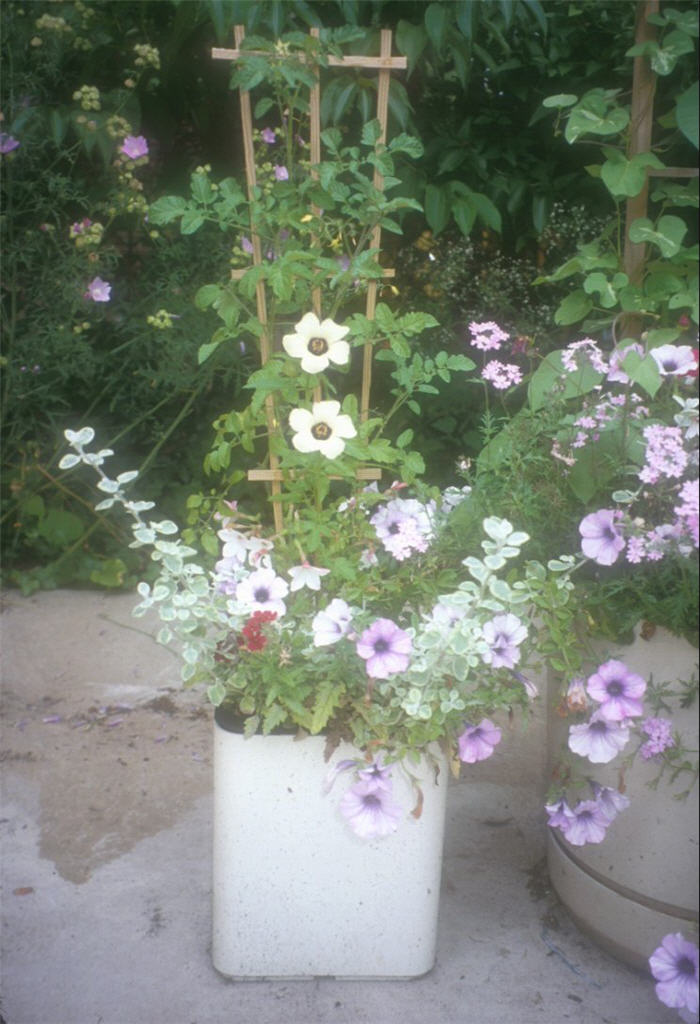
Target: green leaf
x=550, y=378
x=410, y=41
x=643, y=371
x=111, y=573
x=437, y=207
x=573, y=308
x=591, y=116
x=204, y=351
x=597, y=283
x=191, y=221
x=562, y=99
x=200, y=187
x=666, y=236
x=464, y=213
x=60, y=527
x=487, y=211
x=166, y=209
x=627, y=177
x=207, y=295
x=371, y=132
x=687, y=113
x=675, y=45
x=436, y=21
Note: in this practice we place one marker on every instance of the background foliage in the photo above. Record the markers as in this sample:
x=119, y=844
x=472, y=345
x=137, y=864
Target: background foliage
x=506, y=198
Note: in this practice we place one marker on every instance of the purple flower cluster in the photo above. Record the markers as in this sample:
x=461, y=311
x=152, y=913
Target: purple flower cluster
x=487, y=336
x=618, y=693
x=502, y=375
x=588, y=821
x=659, y=731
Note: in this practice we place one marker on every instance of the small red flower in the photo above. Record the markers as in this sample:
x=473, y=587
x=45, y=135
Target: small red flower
x=252, y=637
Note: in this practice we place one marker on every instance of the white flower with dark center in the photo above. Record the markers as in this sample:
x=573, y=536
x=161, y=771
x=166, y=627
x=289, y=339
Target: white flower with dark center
x=321, y=430
x=317, y=342
x=263, y=591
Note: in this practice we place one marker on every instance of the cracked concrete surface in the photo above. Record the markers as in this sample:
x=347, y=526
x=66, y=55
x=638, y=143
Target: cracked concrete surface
x=106, y=831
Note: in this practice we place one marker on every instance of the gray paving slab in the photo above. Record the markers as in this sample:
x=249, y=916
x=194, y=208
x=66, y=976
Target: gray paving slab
x=106, y=834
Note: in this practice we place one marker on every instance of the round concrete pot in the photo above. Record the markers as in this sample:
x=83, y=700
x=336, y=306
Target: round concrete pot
x=296, y=894
x=641, y=882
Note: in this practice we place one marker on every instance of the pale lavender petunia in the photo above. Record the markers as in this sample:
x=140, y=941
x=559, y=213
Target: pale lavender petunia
x=503, y=634
x=476, y=743
x=268, y=136
x=602, y=541
x=559, y=814
x=587, y=824
x=599, y=739
x=378, y=774
x=609, y=800
x=618, y=691
x=370, y=810
x=674, y=965
x=134, y=146
x=386, y=648
x=281, y=173
x=332, y=623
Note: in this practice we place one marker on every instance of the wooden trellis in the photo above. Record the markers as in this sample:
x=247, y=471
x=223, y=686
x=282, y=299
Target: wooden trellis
x=384, y=64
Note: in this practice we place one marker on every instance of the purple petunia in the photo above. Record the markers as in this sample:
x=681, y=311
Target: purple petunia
x=268, y=136
x=674, y=965
x=601, y=541
x=600, y=740
x=370, y=810
x=476, y=743
x=281, y=173
x=386, y=648
x=617, y=690
x=587, y=823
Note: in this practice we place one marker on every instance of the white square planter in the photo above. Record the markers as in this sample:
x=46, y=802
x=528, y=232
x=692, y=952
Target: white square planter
x=296, y=893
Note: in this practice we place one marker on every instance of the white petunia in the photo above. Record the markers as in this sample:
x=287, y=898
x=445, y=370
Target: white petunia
x=317, y=343
x=306, y=576
x=321, y=430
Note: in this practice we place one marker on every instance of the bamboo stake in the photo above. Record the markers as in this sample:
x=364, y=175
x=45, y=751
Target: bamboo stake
x=382, y=112
x=260, y=298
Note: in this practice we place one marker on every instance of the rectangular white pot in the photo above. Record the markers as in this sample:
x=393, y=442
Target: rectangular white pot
x=296, y=893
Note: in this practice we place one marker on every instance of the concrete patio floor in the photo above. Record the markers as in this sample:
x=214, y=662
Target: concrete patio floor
x=106, y=829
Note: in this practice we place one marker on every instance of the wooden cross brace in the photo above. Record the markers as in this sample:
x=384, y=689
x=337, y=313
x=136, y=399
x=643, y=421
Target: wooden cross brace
x=384, y=63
